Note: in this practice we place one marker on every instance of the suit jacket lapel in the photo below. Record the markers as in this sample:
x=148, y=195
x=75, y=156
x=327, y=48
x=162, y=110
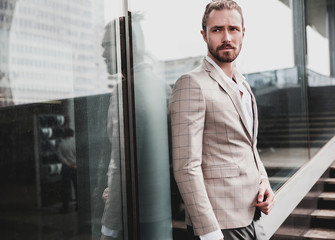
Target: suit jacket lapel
x=229, y=90
x=254, y=109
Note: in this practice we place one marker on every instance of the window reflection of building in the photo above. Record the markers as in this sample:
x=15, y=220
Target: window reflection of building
x=53, y=50
x=6, y=17
x=319, y=34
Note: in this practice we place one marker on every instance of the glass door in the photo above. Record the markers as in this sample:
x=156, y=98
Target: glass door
x=64, y=120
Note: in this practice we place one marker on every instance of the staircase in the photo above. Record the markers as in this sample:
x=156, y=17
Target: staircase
x=305, y=223
x=283, y=124
x=323, y=218
x=291, y=130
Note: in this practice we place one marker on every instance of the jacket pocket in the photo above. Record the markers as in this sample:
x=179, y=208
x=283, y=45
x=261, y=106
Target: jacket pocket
x=221, y=171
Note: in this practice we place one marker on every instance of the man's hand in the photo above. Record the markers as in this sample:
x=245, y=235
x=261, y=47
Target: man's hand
x=105, y=194
x=266, y=197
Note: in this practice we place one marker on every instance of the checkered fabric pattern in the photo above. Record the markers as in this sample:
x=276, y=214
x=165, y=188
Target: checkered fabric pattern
x=215, y=160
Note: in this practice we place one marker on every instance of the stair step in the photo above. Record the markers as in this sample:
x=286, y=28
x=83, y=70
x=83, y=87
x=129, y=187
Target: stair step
x=292, y=130
x=291, y=143
x=299, y=118
x=323, y=219
x=301, y=136
x=324, y=213
x=329, y=196
x=329, y=184
x=318, y=233
x=326, y=200
x=302, y=212
x=289, y=232
x=330, y=180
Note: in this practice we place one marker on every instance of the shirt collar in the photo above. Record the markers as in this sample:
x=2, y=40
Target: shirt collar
x=236, y=74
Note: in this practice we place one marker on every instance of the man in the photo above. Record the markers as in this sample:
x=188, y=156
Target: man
x=214, y=134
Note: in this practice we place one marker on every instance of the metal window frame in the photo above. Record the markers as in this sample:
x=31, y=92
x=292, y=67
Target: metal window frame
x=129, y=167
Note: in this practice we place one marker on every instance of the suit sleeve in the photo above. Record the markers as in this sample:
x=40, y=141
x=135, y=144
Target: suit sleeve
x=262, y=169
x=187, y=110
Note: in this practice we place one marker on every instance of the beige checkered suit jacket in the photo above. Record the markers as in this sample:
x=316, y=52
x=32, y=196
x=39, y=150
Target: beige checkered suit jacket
x=216, y=164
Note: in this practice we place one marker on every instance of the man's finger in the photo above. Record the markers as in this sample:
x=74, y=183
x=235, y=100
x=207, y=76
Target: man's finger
x=266, y=208
x=267, y=205
x=261, y=192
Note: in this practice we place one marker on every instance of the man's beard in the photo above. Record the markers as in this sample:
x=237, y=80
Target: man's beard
x=227, y=57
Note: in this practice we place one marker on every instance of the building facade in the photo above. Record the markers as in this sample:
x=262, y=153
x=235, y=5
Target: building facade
x=105, y=69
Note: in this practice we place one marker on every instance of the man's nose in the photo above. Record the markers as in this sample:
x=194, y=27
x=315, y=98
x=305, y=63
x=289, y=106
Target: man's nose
x=104, y=55
x=226, y=37
x=107, y=52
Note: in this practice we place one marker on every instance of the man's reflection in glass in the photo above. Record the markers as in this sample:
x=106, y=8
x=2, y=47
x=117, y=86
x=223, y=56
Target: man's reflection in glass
x=151, y=141
x=112, y=215
x=151, y=138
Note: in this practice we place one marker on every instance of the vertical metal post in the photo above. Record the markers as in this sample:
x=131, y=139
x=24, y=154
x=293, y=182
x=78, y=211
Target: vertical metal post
x=331, y=34
x=37, y=162
x=300, y=50
x=130, y=133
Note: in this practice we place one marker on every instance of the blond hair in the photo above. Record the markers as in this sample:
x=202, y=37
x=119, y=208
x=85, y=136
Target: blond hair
x=220, y=5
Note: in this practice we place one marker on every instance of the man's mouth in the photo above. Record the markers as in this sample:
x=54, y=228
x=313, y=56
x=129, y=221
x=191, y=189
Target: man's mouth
x=226, y=47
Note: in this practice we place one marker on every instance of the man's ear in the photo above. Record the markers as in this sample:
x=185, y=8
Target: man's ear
x=204, y=36
x=243, y=31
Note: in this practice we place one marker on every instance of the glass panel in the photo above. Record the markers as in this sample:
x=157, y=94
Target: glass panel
x=320, y=35
x=305, y=220
x=164, y=47
x=62, y=126
x=271, y=60
x=150, y=91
